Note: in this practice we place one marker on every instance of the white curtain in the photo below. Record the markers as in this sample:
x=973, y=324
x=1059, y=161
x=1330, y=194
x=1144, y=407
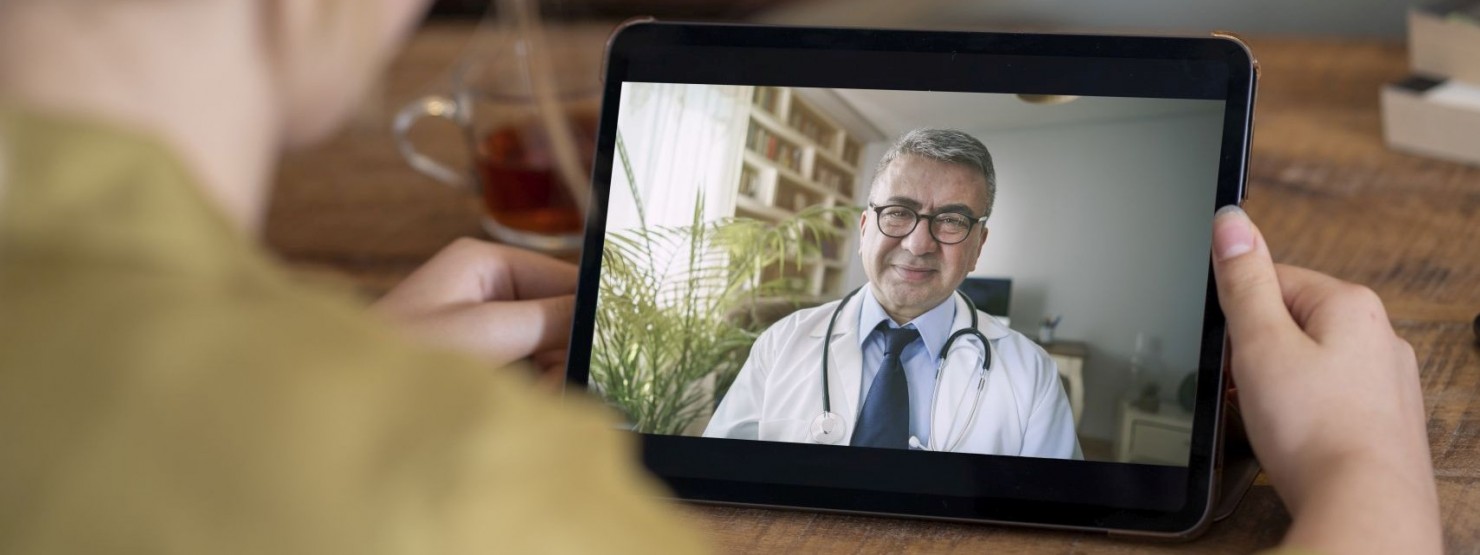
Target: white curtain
x=682, y=140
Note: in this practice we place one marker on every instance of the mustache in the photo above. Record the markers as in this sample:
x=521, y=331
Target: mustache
x=927, y=263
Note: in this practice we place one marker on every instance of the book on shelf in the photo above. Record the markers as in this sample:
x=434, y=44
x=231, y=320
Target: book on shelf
x=809, y=127
x=1433, y=116
x=829, y=248
x=800, y=201
x=767, y=98
x=750, y=183
x=850, y=152
x=829, y=178
x=1444, y=39
x=761, y=141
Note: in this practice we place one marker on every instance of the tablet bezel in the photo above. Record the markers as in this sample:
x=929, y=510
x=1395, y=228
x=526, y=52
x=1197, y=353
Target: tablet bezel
x=1119, y=497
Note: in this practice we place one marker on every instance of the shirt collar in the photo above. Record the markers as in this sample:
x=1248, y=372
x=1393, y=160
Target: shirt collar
x=934, y=325
x=63, y=174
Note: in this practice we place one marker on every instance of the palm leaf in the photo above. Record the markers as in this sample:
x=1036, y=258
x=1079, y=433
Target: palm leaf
x=668, y=341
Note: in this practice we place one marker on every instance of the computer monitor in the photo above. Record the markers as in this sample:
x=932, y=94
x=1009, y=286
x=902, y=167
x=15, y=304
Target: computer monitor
x=991, y=295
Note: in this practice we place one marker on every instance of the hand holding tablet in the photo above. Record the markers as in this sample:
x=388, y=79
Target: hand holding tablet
x=499, y=303
x=1331, y=400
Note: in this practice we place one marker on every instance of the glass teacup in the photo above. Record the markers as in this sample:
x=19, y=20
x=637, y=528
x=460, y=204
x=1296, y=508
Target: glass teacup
x=526, y=103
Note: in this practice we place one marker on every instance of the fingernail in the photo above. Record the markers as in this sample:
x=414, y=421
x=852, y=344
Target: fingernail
x=1233, y=233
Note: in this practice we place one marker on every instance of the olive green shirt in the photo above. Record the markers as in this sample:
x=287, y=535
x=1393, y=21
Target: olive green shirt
x=165, y=387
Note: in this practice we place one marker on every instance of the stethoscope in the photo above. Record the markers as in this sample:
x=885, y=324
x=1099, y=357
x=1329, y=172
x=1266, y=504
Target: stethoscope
x=830, y=428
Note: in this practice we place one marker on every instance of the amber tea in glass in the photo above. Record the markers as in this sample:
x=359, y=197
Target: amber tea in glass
x=520, y=187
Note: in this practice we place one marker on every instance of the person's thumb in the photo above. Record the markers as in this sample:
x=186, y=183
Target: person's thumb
x=1248, y=288
x=499, y=332
x=517, y=329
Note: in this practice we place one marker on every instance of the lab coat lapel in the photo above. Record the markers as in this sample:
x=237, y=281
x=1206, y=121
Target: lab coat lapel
x=957, y=385
x=996, y=428
x=957, y=390
x=845, y=360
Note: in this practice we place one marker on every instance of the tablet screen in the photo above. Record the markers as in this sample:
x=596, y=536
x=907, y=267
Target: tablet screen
x=741, y=215
x=953, y=275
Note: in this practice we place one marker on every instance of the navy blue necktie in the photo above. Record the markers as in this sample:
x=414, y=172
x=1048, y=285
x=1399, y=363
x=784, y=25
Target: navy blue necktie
x=885, y=418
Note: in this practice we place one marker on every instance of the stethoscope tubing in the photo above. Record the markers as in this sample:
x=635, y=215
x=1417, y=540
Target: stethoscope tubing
x=939, y=368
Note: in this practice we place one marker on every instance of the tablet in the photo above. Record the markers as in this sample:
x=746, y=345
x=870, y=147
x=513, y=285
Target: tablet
x=945, y=275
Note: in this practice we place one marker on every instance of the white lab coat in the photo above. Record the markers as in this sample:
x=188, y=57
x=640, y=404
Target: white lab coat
x=778, y=393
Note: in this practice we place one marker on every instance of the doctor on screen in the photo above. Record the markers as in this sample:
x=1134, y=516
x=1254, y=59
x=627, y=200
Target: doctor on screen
x=909, y=363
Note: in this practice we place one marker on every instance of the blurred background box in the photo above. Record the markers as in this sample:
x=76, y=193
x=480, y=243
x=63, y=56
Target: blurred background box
x=1436, y=111
x=617, y=10
x=1444, y=39
x=1329, y=18
x=1433, y=116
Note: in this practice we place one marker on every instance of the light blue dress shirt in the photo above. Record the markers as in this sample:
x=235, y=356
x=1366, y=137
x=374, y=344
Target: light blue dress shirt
x=919, y=358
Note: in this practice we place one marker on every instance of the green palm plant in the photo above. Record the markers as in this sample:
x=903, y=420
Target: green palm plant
x=675, y=314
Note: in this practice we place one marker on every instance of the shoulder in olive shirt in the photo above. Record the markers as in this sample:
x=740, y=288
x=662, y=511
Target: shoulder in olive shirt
x=165, y=387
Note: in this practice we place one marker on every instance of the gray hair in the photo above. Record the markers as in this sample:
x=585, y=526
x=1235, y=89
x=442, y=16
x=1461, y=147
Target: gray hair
x=945, y=145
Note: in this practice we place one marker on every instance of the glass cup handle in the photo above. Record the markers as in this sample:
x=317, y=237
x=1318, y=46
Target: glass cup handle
x=435, y=106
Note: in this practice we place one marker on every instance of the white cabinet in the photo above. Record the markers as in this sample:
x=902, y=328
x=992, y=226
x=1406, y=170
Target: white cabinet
x=1161, y=437
x=1069, y=357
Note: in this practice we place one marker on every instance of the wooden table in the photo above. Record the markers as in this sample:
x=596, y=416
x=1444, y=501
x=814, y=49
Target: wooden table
x=1328, y=195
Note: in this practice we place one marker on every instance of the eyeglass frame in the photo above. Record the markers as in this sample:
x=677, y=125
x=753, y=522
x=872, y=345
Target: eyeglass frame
x=929, y=228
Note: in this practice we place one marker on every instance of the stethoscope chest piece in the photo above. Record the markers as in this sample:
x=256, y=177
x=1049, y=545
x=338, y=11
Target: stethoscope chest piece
x=828, y=428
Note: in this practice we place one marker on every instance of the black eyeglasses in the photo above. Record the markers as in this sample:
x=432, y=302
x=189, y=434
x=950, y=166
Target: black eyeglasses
x=947, y=228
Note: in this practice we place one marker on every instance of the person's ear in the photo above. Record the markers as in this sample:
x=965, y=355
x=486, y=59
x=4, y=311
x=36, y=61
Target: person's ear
x=979, y=245
x=404, y=15
x=299, y=59
x=324, y=54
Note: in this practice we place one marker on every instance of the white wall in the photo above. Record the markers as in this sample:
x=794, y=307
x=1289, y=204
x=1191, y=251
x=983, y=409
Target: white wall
x=854, y=277
x=1109, y=225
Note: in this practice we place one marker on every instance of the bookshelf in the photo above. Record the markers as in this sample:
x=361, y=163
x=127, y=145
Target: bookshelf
x=797, y=156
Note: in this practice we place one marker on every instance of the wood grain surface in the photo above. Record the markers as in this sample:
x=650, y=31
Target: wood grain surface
x=1327, y=193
